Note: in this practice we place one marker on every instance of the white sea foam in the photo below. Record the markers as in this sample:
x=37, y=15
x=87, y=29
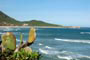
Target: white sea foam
x=70, y=55
x=19, y=40
x=48, y=47
x=40, y=44
x=43, y=51
x=64, y=57
x=16, y=45
x=11, y=29
x=49, y=51
x=84, y=32
x=76, y=41
x=7, y=29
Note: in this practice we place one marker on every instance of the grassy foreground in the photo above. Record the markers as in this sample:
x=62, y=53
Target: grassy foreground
x=20, y=55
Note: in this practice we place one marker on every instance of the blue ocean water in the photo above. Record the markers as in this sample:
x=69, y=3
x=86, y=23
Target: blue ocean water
x=58, y=43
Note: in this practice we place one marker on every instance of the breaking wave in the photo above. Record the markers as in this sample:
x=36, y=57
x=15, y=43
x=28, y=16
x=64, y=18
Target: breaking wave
x=48, y=47
x=75, y=41
x=40, y=44
x=70, y=56
x=48, y=51
x=66, y=55
x=84, y=32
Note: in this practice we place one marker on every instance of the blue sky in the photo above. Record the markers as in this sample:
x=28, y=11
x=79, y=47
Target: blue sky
x=65, y=12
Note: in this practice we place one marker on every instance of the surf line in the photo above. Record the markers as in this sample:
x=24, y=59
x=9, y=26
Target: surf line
x=75, y=41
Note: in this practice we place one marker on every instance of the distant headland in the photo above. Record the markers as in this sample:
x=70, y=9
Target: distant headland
x=6, y=20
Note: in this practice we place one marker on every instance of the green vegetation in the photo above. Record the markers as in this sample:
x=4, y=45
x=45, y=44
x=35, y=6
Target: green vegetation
x=5, y=20
x=9, y=51
x=39, y=23
x=23, y=55
x=20, y=55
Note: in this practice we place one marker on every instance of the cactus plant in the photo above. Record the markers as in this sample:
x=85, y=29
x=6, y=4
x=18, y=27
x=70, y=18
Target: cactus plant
x=32, y=35
x=21, y=38
x=9, y=41
x=22, y=52
x=31, y=39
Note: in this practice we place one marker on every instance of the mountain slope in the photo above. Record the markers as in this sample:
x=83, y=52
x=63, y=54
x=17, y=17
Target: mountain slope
x=5, y=19
x=39, y=23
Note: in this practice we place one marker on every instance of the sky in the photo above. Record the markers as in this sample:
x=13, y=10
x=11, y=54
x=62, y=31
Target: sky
x=63, y=12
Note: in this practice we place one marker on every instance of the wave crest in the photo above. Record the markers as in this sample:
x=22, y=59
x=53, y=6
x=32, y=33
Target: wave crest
x=40, y=44
x=84, y=32
x=75, y=41
x=49, y=51
x=71, y=55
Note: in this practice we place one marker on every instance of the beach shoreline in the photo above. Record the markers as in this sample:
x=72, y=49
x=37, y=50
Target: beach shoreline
x=29, y=27
x=40, y=27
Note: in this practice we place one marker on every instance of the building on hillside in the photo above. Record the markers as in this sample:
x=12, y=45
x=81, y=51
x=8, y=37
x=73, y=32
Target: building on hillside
x=25, y=24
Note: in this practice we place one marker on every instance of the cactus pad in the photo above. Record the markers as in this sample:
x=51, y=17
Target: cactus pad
x=9, y=41
x=32, y=35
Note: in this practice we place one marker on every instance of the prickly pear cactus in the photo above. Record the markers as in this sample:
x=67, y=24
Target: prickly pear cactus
x=9, y=41
x=32, y=35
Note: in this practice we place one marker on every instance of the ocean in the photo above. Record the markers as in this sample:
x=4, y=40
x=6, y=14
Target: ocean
x=57, y=43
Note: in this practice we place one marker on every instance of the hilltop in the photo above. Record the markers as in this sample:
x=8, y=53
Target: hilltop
x=6, y=20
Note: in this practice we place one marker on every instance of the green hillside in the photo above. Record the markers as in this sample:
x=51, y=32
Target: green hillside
x=5, y=20
x=39, y=23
